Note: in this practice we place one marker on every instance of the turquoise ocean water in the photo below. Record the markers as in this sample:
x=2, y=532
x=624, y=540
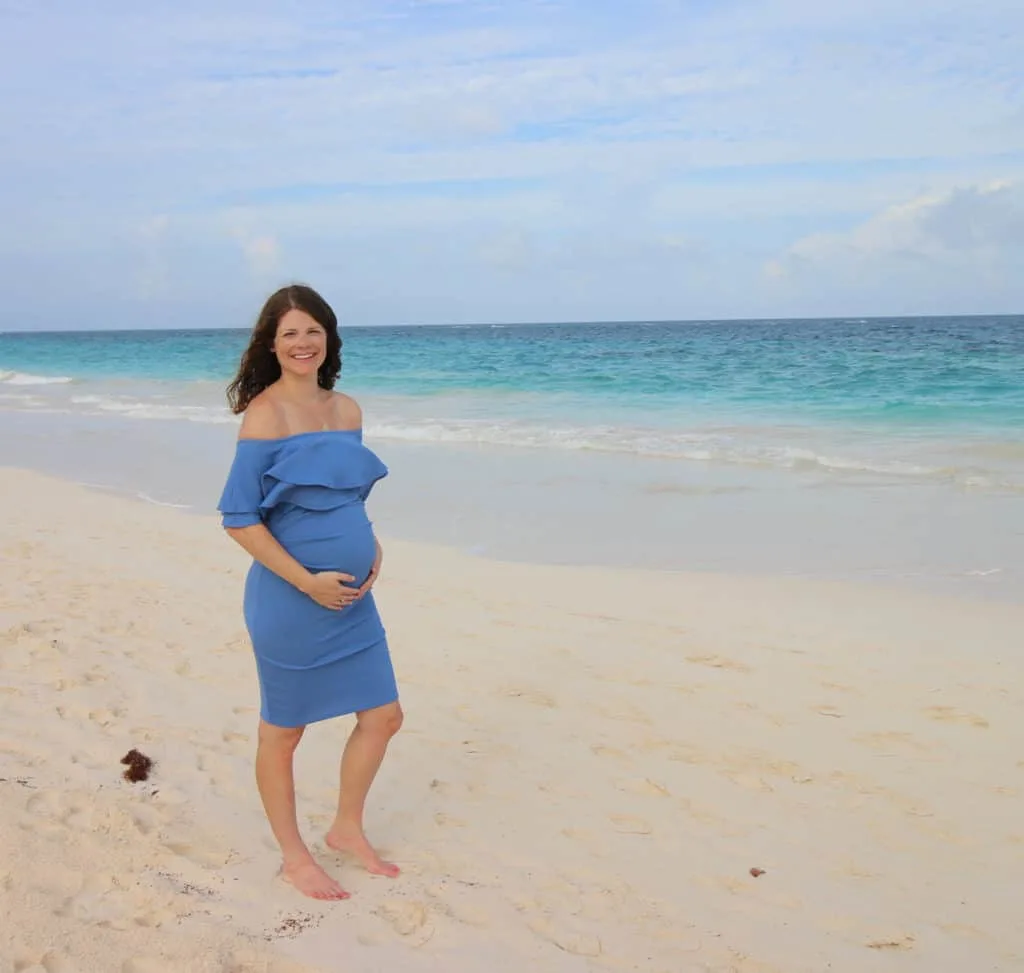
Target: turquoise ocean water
x=934, y=398
x=880, y=450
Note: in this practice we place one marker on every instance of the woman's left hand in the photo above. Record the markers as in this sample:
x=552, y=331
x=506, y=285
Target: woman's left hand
x=374, y=571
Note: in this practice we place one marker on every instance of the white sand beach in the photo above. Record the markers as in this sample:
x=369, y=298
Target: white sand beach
x=592, y=764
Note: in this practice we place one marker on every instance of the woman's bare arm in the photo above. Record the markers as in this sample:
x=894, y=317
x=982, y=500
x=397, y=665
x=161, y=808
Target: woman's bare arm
x=262, y=421
x=260, y=544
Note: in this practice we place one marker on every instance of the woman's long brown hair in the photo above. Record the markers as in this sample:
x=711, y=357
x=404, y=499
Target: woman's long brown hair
x=259, y=366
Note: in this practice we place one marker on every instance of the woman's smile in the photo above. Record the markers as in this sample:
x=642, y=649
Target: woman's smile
x=300, y=339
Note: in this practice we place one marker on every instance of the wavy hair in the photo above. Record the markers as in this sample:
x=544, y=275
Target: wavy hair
x=259, y=366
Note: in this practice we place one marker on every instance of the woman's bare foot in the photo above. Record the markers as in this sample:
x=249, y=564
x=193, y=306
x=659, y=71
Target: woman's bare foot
x=310, y=879
x=352, y=840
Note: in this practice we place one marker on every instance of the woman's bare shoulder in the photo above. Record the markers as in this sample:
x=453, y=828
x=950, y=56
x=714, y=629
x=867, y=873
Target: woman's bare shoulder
x=262, y=419
x=347, y=412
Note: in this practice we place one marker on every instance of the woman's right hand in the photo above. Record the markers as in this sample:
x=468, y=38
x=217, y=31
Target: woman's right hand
x=330, y=589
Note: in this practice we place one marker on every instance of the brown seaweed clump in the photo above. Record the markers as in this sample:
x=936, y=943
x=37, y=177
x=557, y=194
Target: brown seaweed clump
x=138, y=766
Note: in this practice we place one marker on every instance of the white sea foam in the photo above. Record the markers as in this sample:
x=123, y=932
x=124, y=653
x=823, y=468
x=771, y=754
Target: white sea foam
x=25, y=378
x=665, y=444
x=968, y=466
x=802, y=458
x=139, y=409
x=162, y=503
x=750, y=448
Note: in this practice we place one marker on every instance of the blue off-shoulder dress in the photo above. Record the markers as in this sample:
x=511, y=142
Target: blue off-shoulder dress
x=313, y=663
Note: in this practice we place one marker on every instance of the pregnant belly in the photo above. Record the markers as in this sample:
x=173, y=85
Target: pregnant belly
x=329, y=540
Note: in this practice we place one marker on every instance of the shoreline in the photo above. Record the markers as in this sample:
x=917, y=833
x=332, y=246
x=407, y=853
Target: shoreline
x=538, y=506
x=529, y=475
x=968, y=586
x=589, y=755
x=879, y=587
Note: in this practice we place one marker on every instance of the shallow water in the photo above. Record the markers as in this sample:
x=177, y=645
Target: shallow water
x=881, y=450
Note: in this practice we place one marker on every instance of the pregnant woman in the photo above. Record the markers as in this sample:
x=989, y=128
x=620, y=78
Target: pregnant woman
x=294, y=500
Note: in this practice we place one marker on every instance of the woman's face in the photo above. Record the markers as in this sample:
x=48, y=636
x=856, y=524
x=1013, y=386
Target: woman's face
x=300, y=343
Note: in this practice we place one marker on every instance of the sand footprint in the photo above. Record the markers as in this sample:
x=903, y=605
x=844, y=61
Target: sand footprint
x=893, y=738
x=443, y=820
x=568, y=940
x=839, y=687
x=621, y=710
x=750, y=782
x=44, y=804
x=57, y=963
x=155, y=918
x=629, y=824
x=950, y=714
x=246, y=961
x=21, y=958
x=145, y=818
x=50, y=962
x=54, y=882
x=453, y=903
x=854, y=869
x=143, y=964
x=826, y=709
x=104, y=911
x=643, y=786
x=105, y=717
x=603, y=751
x=535, y=696
x=895, y=943
x=87, y=760
x=205, y=857
x=78, y=817
x=718, y=662
x=411, y=920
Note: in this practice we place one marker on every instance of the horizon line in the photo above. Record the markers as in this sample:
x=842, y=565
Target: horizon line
x=634, y=322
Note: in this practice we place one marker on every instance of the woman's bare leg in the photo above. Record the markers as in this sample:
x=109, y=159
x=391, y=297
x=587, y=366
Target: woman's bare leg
x=359, y=764
x=276, y=782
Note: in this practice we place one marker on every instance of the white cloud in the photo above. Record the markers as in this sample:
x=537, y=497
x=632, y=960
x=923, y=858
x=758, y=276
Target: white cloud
x=584, y=134
x=263, y=254
x=973, y=222
x=964, y=245
x=510, y=250
x=261, y=250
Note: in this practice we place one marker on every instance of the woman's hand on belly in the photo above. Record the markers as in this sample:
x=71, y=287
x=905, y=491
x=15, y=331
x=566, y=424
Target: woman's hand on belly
x=330, y=589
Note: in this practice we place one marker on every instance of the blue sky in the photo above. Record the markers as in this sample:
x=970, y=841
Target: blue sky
x=168, y=164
